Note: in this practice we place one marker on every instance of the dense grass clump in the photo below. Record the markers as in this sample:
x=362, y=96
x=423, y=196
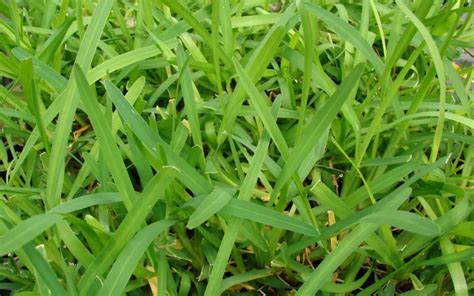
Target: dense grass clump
x=256, y=147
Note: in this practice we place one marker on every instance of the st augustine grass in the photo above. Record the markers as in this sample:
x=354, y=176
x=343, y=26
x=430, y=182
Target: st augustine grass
x=174, y=147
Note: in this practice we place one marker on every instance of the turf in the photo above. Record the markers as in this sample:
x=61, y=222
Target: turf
x=236, y=147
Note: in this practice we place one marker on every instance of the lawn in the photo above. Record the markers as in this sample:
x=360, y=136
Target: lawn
x=223, y=147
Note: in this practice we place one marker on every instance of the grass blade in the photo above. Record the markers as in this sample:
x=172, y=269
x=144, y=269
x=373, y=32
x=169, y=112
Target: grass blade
x=121, y=61
x=130, y=225
x=215, y=279
x=84, y=59
x=438, y=62
x=106, y=140
x=31, y=96
x=209, y=206
x=250, y=211
x=264, y=113
x=188, y=96
x=255, y=66
x=128, y=259
x=189, y=176
x=26, y=231
x=49, y=48
x=406, y=221
x=349, y=33
x=317, y=126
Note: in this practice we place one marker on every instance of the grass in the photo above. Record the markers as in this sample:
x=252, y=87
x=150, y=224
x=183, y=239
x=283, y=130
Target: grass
x=236, y=147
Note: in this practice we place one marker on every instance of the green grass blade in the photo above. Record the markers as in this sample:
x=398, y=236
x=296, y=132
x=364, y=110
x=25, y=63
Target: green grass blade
x=128, y=258
x=406, y=221
x=106, y=140
x=255, y=20
x=393, y=200
x=322, y=274
x=260, y=214
x=43, y=270
x=194, y=23
x=465, y=255
x=264, y=113
x=129, y=226
x=30, y=228
x=57, y=81
x=121, y=61
x=188, y=175
x=455, y=269
x=438, y=62
x=346, y=287
x=189, y=98
x=31, y=93
x=49, y=48
x=255, y=66
x=226, y=28
x=209, y=206
x=349, y=33
x=26, y=231
x=245, y=277
x=215, y=279
x=92, y=35
x=318, y=124
x=84, y=59
x=131, y=96
x=86, y=201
